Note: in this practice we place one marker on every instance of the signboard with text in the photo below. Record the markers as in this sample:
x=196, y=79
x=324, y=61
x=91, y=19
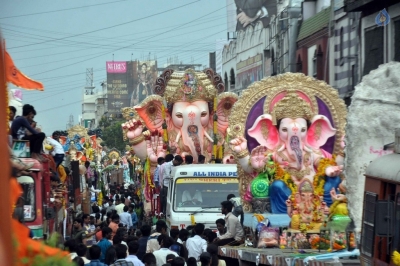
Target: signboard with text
x=128, y=83
x=249, y=71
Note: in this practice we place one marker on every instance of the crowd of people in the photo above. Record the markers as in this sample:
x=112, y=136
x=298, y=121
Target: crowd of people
x=111, y=236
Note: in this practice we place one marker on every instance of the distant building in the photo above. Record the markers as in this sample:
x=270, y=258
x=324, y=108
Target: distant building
x=263, y=49
x=312, y=42
x=379, y=44
x=345, y=47
x=88, y=119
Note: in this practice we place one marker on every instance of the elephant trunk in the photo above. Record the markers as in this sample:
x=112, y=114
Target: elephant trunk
x=295, y=149
x=193, y=138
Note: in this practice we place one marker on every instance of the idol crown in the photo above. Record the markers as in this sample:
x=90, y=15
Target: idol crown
x=189, y=86
x=292, y=106
x=306, y=187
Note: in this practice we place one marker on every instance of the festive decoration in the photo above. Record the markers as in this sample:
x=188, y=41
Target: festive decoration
x=16, y=77
x=396, y=258
x=268, y=119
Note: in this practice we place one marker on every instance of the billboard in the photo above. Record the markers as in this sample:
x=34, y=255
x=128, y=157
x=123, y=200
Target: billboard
x=129, y=83
x=249, y=71
x=250, y=12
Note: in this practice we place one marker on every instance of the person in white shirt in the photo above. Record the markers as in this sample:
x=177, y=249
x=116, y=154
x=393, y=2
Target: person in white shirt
x=234, y=230
x=125, y=218
x=192, y=195
x=152, y=243
x=93, y=192
x=120, y=207
x=165, y=243
x=220, y=227
x=58, y=150
x=169, y=164
x=196, y=244
x=133, y=248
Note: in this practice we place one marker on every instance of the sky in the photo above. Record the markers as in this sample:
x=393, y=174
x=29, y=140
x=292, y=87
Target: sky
x=54, y=42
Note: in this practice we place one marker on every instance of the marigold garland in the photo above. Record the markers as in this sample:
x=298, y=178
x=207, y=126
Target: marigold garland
x=164, y=126
x=148, y=173
x=318, y=185
x=215, y=118
x=396, y=258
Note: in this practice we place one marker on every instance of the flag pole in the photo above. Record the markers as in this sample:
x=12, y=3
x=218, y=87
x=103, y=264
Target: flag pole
x=6, y=252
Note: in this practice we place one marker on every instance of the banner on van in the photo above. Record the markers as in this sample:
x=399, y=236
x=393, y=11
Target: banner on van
x=206, y=180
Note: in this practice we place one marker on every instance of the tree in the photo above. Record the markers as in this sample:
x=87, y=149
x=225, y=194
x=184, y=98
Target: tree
x=113, y=138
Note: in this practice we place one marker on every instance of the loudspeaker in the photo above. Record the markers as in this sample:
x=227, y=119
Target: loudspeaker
x=384, y=218
x=49, y=213
x=75, y=175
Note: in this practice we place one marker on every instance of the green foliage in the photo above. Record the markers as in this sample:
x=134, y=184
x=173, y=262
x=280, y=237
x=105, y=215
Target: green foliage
x=113, y=138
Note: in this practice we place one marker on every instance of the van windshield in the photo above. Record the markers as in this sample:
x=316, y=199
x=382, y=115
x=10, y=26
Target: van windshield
x=28, y=205
x=196, y=192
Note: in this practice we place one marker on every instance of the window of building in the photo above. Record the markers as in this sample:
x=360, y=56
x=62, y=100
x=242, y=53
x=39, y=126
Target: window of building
x=373, y=49
x=397, y=40
x=232, y=79
x=299, y=65
x=341, y=46
x=314, y=67
x=226, y=79
x=320, y=64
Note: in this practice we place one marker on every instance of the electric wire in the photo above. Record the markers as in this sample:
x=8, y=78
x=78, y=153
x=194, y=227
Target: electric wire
x=109, y=27
x=59, y=10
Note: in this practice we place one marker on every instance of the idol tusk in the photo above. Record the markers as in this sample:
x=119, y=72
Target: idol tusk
x=178, y=136
x=281, y=148
x=208, y=136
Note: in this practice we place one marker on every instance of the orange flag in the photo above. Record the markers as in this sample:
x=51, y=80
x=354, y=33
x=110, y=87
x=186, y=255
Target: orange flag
x=16, y=77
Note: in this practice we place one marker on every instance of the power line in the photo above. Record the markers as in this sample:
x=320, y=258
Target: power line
x=59, y=10
x=156, y=35
x=106, y=28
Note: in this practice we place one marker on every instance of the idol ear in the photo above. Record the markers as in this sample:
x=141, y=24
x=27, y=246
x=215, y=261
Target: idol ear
x=265, y=132
x=150, y=111
x=224, y=108
x=319, y=131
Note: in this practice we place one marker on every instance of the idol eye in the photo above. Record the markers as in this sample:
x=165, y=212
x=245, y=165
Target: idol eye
x=303, y=129
x=203, y=114
x=179, y=115
x=284, y=129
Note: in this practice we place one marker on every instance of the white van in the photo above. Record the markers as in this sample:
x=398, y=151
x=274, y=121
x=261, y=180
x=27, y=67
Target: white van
x=196, y=191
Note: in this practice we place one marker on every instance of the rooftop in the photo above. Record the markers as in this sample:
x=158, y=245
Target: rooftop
x=314, y=24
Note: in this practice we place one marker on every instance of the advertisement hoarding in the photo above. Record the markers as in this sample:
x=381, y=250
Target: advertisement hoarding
x=249, y=71
x=129, y=83
x=245, y=13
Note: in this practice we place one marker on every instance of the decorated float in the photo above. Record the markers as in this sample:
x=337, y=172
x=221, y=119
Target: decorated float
x=286, y=133
x=187, y=114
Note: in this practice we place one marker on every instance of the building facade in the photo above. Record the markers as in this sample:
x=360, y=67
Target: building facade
x=312, y=43
x=379, y=43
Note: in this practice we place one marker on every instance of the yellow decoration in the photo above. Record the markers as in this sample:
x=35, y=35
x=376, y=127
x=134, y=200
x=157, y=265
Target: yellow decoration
x=163, y=111
x=100, y=199
x=148, y=172
x=259, y=217
x=396, y=258
x=292, y=106
x=318, y=185
x=62, y=174
x=165, y=136
x=192, y=219
x=215, y=151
